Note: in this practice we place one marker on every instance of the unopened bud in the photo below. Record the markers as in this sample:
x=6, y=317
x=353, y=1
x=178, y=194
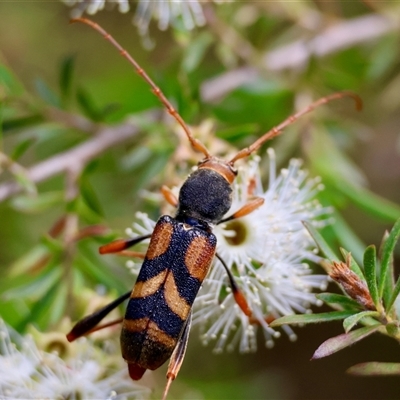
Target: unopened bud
x=352, y=284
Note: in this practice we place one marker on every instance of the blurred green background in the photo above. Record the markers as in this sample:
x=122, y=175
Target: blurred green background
x=49, y=64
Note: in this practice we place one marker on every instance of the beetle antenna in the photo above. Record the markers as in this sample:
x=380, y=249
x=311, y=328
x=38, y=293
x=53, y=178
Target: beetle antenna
x=276, y=131
x=195, y=143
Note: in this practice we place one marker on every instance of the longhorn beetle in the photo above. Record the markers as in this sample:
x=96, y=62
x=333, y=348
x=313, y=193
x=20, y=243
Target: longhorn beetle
x=158, y=315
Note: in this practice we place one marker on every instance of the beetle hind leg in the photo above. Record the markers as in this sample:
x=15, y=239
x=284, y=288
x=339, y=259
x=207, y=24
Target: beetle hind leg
x=177, y=356
x=89, y=324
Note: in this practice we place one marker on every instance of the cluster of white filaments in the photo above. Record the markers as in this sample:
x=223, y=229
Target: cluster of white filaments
x=91, y=7
x=30, y=373
x=266, y=251
x=185, y=14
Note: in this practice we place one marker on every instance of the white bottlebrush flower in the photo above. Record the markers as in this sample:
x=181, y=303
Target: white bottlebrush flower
x=168, y=13
x=93, y=6
x=266, y=252
x=188, y=14
x=26, y=372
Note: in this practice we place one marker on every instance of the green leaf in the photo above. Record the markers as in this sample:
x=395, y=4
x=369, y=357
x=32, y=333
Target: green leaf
x=41, y=308
x=394, y=295
x=375, y=368
x=21, y=148
x=384, y=57
x=321, y=243
x=89, y=196
x=46, y=93
x=371, y=273
x=196, y=51
x=370, y=202
x=340, y=299
x=323, y=152
x=22, y=178
x=311, y=318
x=66, y=74
x=25, y=263
x=136, y=157
x=351, y=321
x=87, y=105
x=21, y=122
x=98, y=273
x=337, y=343
x=38, y=203
x=58, y=306
x=9, y=81
x=54, y=245
x=386, y=256
x=35, y=288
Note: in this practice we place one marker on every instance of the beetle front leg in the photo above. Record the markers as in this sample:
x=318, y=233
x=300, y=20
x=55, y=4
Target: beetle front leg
x=120, y=245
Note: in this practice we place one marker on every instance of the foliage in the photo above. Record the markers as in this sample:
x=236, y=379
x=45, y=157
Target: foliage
x=370, y=298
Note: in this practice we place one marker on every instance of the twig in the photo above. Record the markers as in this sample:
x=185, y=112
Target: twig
x=105, y=138
x=296, y=55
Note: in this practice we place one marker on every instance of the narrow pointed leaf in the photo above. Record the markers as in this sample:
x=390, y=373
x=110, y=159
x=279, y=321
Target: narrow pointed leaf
x=371, y=273
x=389, y=281
x=41, y=308
x=351, y=321
x=387, y=251
x=339, y=299
x=394, y=295
x=375, y=368
x=21, y=148
x=27, y=261
x=10, y=82
x=370, y=202
x=344, y=340
x=46, y=93
x=320, y=241
x=87, y=105
x=34, y=289
x=66, y=74
x=194, y=53
x=37, y=203
x=311, y=318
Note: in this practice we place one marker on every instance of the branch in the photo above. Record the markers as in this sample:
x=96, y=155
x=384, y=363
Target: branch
x=296, y=55
x=76, y=157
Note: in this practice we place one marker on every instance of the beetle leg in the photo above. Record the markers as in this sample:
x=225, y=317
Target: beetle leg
x=169, y=196
x=178, y=355
x=237, y=293
x=241, y=299
x=88, y=324
x=246, y=209
x=121, y=244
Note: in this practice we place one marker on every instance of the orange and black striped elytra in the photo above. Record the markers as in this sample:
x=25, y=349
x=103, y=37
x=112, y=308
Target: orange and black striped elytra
x=182, y=248
x=177, y=261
